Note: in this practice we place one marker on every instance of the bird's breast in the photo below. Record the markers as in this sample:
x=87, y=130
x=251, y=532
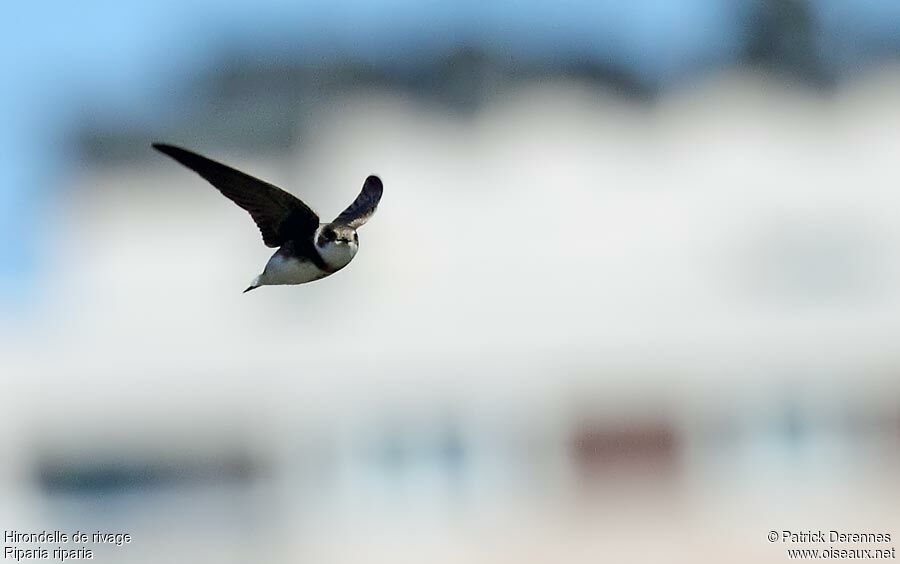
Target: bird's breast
x=337, y=256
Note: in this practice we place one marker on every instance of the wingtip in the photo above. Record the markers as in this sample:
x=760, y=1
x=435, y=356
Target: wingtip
x=163, y=148
x=375, y=182
x=180, y=154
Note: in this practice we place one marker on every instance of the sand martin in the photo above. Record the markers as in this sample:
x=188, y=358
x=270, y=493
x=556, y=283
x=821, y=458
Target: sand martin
x=307, y=249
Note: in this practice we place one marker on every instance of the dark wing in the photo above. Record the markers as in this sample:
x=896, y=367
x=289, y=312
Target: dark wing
x=280, y=216
x=364, y=206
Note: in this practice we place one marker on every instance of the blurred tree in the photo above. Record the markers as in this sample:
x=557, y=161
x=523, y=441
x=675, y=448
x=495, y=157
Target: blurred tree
x=784, y=37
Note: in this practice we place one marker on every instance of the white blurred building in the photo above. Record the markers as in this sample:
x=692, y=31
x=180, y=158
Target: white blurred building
x=559, y=290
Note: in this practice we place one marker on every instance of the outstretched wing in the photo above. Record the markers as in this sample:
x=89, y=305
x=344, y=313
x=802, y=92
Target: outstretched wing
x=364, y=206
x=280, y=216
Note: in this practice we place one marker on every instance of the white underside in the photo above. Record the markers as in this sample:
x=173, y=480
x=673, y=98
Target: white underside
x=280, y=270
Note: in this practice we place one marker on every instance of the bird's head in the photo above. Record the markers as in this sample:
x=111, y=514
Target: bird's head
x=337, y=243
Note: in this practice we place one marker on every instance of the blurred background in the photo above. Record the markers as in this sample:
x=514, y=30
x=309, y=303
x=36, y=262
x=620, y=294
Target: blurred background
x=632, y=293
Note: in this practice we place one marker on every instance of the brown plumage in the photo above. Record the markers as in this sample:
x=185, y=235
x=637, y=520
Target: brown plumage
x=280, y=216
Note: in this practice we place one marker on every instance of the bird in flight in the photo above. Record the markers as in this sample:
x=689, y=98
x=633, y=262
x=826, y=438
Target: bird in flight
x=307, y=249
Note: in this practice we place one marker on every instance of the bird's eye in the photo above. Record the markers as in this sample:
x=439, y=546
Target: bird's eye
x=329, y=235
